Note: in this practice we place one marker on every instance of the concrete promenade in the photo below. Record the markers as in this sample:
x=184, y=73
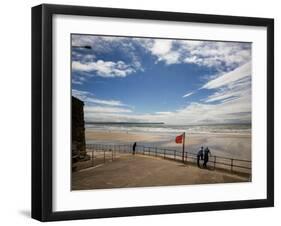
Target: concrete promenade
x=145, y=171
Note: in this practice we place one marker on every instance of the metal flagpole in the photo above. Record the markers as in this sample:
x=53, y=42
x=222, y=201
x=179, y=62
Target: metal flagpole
x=183, y=143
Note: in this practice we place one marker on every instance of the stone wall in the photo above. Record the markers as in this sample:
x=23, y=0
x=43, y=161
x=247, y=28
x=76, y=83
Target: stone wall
x=78, y=131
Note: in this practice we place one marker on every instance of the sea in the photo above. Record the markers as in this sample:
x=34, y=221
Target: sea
x=169, y=129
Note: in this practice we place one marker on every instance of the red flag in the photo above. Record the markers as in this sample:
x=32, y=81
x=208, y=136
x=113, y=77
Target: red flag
x=179, y=139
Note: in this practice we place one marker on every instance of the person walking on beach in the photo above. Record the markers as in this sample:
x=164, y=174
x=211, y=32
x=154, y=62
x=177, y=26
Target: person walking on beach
x=207, y=152
x=134, y=148
x=199, y=156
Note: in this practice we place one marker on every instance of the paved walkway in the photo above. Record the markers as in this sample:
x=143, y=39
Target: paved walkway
x=144, y=171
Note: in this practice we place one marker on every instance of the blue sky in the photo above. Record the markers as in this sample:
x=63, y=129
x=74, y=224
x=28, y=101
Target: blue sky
x=124, y=79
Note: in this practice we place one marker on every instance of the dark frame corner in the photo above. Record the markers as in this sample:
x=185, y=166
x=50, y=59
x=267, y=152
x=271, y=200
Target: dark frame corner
x=42, y=111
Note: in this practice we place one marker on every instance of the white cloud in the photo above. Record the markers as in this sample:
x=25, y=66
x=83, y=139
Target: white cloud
x=171, y=57
x=104, y=102
x=217, y=54
x=230, y=78
x=234, y=111
x=82, y=95
x=77, y=82
x=77, y=79
x=86, y=60
x=161, y=47
x=193, y=60
x=232, y=85
x=90, y=99
x=163, y=112
x=104, y=68
x=242, y=87
x=222, y=55
x=188, y=94
x=100, y=44
x=101, y=109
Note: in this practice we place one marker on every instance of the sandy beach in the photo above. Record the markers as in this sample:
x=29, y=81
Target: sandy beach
x=226, y=145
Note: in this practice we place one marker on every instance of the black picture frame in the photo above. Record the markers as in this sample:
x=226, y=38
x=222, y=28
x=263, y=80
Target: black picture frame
x=42, y=111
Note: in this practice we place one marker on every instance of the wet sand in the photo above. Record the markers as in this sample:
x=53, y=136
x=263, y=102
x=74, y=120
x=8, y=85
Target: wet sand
x=122, y=137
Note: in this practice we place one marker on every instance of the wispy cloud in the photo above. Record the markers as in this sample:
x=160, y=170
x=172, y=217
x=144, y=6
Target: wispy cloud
x=188, y=94
x=234, y=111
x=78, y=79
x=104, y=102
x=163, y=113
x=77, y=82
x=89, y=98
x=102, y=109
x=231, y=78
x=232, y=85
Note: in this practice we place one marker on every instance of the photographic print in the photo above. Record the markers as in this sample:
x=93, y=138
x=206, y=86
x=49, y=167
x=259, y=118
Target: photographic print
x=159, y=112
x=138, y=112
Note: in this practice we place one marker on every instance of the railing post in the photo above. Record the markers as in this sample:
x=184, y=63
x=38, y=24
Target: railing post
x=93, y=157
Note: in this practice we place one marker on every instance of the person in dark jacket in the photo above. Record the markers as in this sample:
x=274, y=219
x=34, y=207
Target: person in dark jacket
x=199, y=156
x=134, y=148
x=207, y=152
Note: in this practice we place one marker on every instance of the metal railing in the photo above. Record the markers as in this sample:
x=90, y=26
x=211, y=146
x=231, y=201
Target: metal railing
x=102, y=153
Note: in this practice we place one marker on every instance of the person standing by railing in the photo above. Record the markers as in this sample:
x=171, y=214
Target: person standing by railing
x=134, y=147
x=199, y=156
x=207, y=152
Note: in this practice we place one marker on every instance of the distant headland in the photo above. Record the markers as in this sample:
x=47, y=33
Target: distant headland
x=127, y=123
